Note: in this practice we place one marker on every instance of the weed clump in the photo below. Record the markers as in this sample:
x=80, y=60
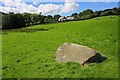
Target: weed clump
x=18, y=61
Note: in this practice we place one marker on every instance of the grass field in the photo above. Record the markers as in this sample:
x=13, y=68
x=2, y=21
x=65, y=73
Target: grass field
x=30, y=52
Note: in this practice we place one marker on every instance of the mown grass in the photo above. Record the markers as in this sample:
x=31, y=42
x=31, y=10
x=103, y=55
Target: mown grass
x=30, y=52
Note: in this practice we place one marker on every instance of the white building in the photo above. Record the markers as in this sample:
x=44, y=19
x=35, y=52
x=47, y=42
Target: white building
x=70, y=18
x=62, y=18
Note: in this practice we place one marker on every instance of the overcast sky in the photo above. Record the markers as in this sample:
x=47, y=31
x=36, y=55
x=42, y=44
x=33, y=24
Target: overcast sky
x=52, y=7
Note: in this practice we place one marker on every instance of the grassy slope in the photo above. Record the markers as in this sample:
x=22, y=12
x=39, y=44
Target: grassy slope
x=36, y=50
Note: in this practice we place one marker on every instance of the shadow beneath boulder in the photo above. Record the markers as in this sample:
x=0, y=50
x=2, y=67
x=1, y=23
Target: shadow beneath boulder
x=96, y=59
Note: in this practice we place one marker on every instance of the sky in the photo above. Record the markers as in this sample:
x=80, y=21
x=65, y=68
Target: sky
x=53, y=7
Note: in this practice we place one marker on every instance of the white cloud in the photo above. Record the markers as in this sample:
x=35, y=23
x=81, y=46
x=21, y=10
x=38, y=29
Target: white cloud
x=35, y=3
x=18, y=6
x=18, y=0
x=69, y=7
x=49, y=8
x=5, y=9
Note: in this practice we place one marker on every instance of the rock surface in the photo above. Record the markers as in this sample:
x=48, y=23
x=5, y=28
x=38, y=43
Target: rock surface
x=77, y=53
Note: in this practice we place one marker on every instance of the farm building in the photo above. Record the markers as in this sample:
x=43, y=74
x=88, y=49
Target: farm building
x=70, y=18
x=62, y=18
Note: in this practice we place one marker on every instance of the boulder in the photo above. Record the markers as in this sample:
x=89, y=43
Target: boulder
x=77, y=53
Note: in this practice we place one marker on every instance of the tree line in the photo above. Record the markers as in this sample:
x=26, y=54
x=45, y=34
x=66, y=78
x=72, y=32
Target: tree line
x=88, y=13
x=12, y=20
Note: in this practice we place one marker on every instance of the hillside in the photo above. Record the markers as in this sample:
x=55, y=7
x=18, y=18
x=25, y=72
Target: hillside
x=30, y=52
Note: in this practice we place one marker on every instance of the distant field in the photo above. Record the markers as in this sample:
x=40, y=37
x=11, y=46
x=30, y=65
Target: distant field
x=30, y=52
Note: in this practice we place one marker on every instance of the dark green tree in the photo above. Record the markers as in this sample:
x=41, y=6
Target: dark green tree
x=97, y=13
x=118, y=11
x=34, y=18
x=74, y=15
x=41, y=18
x=87, y=12
x=49, y=18
x=56, y=17
x=27, y=18
x=114, y=11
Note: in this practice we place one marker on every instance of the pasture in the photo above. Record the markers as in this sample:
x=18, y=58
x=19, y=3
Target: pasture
x=30, y=52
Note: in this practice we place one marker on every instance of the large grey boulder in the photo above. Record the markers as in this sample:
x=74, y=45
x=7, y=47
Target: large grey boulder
x=77, y=53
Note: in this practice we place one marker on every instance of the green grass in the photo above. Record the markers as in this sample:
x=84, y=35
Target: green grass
x=30, y=52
